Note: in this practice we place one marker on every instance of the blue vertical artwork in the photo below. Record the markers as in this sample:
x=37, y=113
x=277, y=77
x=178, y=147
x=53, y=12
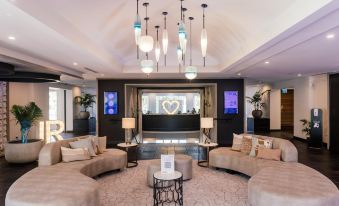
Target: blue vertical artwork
x=230, y=102
x=110, y=103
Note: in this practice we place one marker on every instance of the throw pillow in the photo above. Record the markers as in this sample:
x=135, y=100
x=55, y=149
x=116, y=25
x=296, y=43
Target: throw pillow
x=258, y=142
x=102, y=143
x=237, y=141
x=95, y=144
x=84, y=143
x=70, y=155
x=269, y=154
x=246, y=145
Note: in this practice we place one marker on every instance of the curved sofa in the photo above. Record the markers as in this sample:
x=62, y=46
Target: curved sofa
x=55, y=183
x=285, y=182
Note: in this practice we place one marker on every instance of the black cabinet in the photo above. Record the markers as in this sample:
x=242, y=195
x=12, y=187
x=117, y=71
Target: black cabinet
x=334, y=113
x=261, y=125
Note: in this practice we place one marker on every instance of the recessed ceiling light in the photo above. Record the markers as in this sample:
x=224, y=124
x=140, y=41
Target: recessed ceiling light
x=267, y=62
x=239, y=74
x=330, y=36
x=75, y=64
x=299, y=75
x=11, y=38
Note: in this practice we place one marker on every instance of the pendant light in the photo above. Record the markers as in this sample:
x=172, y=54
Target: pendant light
x=137, y=29
x=157, y=49
x=181, y=29
x=179, y=54
x=203, y=40
x=191, y=71
x=165, y=36
x=147, y=66
x=146, y=42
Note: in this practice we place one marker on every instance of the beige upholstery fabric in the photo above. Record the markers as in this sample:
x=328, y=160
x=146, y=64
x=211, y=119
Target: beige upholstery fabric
x=66, y=184
x=183, y=164
x=291, y=184
x=153, y=167
x=84, y=143
x=70, y=155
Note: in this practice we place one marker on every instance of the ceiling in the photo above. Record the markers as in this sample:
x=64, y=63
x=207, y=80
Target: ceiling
x=242, y=35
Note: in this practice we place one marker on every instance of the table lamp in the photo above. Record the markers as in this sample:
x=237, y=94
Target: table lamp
x=128, y=124
x=206, y=123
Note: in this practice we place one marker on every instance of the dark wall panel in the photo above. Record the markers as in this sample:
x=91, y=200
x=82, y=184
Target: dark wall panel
x=110, y=125
x=334, y=113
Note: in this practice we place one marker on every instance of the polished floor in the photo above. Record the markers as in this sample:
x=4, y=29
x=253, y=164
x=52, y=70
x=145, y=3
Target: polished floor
x=321, y=160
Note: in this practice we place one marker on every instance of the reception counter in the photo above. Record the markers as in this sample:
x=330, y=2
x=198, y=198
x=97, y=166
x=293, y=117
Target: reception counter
x=171, y=123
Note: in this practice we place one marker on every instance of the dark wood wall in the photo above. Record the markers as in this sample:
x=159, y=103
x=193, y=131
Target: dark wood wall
x=334, y=113
x=110, y=125
x=287, y=111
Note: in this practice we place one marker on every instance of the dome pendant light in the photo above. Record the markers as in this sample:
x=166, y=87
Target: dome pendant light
x=191, y=72
x=165, y=36
x=137, y=29
x=146, y=42
x=203, y=40
x=157, y=49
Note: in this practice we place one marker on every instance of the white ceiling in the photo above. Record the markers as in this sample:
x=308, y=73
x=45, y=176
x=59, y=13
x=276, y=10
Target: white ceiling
x=242, y=35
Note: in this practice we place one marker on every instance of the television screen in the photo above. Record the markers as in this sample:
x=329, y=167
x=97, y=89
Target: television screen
x=230, y=102
x=110, y=103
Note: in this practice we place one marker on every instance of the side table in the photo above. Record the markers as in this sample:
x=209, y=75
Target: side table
x=167, y=188
x=205, y=163
x=126, y=147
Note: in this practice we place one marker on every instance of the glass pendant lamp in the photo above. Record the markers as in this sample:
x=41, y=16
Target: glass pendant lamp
x=165, y=36
x=147, y=66
x=157, y=49
x=191, y=72
x=146, y=42
x=203, y=38
x=137, y=26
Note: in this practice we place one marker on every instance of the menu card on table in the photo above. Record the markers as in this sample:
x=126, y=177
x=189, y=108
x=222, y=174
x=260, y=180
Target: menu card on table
x=167, y=164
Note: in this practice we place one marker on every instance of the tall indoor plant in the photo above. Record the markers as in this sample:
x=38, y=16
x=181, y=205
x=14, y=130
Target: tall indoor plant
x=85, y=100
x=306, y=127
x=26, y=116
x=257, y=102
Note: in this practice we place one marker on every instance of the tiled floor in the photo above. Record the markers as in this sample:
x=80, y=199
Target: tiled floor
x=321, y=160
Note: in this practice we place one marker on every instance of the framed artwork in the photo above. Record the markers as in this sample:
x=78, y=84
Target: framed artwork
x=230, y=102
x=111, y=103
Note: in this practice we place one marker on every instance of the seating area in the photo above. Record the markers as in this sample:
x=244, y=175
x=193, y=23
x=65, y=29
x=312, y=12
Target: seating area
x=181, y=102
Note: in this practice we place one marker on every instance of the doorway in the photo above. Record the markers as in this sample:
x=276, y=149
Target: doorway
x=287, y=110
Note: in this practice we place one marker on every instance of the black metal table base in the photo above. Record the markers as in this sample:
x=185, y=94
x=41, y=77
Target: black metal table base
x=132, y=163
x=168, y=192
x=203, y=163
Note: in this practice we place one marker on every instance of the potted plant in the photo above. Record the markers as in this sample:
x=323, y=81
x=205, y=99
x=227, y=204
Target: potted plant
x=25, y=150
x=256, y=101
x=86, y=100
x=306, y=127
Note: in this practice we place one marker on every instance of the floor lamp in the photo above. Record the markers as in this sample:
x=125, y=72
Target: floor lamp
x=128, y=124
x=206, y=123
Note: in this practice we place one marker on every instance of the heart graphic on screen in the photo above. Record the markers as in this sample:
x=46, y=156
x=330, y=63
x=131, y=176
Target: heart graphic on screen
x=171, y=107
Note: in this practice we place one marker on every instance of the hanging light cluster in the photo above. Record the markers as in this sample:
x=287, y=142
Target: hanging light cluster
x=145, y=43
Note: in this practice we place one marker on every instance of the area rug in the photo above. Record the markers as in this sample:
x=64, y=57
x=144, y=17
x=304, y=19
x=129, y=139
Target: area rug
x=207, y=187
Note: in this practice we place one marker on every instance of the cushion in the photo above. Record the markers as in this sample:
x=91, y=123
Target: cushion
x=269, y=154
x=84, y=143
x=246, y=145
x=258, y=142
x=102, y=143
x=237, y=141
x=70, y=155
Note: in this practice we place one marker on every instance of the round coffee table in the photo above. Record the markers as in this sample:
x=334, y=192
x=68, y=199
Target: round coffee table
x=130, y=163
x=205, y=163
x=167, y=188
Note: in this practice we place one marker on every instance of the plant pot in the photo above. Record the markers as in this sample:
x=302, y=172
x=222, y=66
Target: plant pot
x=83, y=115
x=18, y=152
x=257, y=114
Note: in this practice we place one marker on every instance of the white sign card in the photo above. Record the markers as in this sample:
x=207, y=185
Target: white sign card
x=316, y=112
x=167, y=164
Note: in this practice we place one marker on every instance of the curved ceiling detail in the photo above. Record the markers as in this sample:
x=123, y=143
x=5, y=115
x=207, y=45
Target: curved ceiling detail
x=31, y=77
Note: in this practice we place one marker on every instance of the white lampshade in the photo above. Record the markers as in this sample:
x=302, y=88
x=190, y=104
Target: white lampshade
x=203, y=42
x=206, y=122
x=165, y=41
x=128, y=123
x=157, y=51
x=147, y=66
x=191, y=72
x=146, y=43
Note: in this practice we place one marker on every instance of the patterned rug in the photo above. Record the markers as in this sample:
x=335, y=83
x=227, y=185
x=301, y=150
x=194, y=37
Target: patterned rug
x=208, y=187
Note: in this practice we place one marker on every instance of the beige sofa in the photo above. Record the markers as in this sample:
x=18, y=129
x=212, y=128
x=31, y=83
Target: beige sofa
x=55, y=183
x=284, y=182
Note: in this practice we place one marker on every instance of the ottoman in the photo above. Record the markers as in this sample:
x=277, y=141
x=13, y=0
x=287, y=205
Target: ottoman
x=153, y=167
x=293, y=184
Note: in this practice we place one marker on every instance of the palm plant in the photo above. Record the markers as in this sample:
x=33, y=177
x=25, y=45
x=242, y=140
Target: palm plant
x=26, y=116
x=256, y=101
x=85, y=100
